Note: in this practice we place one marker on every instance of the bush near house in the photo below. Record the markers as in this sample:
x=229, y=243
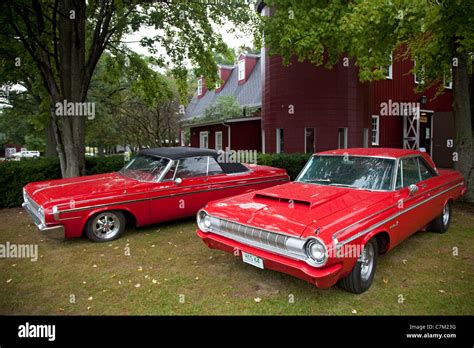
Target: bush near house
x=16, y=174
x=292, y=162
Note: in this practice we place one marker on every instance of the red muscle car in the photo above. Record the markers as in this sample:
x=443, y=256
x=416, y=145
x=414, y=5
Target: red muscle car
x=345, y=208
x=157, y=185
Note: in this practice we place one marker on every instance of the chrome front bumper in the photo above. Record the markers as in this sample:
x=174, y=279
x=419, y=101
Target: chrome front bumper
x=32, y=208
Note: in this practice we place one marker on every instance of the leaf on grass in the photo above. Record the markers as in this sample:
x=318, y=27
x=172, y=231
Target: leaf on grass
x=442, y=291
x=9, y=280
x=385, y=280
x=354, y=311
x=137, y=285
x=90, y=298
x=404, y=261
x=257, y=299
x=94, y=266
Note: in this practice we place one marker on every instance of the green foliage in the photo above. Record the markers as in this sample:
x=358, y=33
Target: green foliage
x=16, y=174
x=369, y=31
x=293, y=163
x=224, y=107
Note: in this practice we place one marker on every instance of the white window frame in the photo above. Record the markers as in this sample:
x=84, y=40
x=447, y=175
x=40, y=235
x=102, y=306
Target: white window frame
x=389, y=75
x=200, y=86
x=345, y=138
x=450, y=84
x=278, y=140
x=377, y=130
x=241, y=69
x=217, y=145
x=218, y=82
x=202, y=135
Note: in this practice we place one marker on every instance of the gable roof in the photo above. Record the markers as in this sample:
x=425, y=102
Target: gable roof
x=247, y=94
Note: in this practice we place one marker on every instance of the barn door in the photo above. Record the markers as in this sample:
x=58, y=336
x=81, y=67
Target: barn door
x=411, y=131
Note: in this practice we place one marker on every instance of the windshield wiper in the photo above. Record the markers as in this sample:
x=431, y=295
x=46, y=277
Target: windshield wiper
x=318, y=180
x=343, y=185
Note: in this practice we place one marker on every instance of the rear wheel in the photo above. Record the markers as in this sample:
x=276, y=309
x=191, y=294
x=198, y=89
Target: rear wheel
x=442, y=222
x=105, y=226
x=362, y=275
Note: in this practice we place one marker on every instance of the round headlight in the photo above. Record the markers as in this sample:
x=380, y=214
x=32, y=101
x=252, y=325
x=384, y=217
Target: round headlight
x=316, y=251
x=203, y=221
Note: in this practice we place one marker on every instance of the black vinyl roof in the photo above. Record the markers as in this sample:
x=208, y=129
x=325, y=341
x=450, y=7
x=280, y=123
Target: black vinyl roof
x=176, y=153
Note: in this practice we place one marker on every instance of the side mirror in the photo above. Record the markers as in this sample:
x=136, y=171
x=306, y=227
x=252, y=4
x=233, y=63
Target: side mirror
x=412, y=189
x=178, y=181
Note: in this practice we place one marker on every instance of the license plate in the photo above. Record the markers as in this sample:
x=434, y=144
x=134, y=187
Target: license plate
x=252, y=260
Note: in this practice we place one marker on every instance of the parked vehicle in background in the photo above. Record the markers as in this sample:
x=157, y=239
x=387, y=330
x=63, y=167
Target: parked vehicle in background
x=157, y=185
x=345, y=208
x=25, y=154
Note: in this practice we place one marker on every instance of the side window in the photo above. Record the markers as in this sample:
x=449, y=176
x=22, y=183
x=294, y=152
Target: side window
x=425, y=171
x=214, y=167
x=170, y=173
x=398, y=183
x=411, y=173
x=192, y=167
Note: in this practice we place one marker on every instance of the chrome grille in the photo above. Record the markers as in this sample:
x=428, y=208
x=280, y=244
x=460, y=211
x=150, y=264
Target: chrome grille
x=260, y=238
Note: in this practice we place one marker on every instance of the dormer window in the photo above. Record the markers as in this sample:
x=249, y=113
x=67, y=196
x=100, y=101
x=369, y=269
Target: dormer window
x=218, y=82
x=242, y=69
x=200, y=86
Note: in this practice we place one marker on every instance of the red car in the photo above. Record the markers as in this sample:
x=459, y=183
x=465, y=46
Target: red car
x=345, y=208
x=157, y=185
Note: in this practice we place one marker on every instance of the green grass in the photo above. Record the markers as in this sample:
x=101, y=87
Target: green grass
x=422, y=269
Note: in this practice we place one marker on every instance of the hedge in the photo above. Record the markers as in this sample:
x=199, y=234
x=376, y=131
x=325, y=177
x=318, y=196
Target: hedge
x=16, y=174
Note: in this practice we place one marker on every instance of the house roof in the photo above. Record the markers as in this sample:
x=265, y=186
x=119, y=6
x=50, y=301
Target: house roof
x=247, y=94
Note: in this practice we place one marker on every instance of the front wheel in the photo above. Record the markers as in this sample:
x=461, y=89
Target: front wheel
x=362, y=275
x=442, y=222
x=105, y=226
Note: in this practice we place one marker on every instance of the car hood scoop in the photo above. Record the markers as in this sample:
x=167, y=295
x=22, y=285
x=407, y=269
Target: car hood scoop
x=296, y=198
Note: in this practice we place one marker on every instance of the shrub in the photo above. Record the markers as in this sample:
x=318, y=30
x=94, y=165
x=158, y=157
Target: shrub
x=292, y=162
x=16, y=174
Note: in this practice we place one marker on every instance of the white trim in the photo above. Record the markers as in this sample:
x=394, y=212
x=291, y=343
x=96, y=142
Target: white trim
x=345, y=145
x=449, y=85
x=201, y=139
x=390, y=69
x=414, y=74
x=377, y=130
x=241, y=71
x=215, y=140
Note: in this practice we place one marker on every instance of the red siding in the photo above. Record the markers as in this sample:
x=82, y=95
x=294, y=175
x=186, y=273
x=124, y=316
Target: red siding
x=245, y=135
x=401, y=89
x=322, y=99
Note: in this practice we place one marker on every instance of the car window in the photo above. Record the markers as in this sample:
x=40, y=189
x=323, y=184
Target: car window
x=411, y=173
x=170, y=173
x=214, y=167
x=399, y=184
x=192, y=167
x=425, y=171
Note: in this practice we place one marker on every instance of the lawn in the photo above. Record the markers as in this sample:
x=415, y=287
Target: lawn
x=170, y=271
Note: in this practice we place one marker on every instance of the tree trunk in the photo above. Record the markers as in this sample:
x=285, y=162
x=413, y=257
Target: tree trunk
x=463, y=123
x=50, y=150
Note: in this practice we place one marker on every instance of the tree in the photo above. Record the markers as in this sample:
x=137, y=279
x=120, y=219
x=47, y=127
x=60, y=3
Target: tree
x=224, y=107
x=438, y=34
x=66, y=38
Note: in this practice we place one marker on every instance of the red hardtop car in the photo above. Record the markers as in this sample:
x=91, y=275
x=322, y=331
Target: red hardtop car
x=157, y=185
x=346, y=207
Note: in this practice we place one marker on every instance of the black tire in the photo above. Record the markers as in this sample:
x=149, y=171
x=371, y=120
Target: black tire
x=113, y=218
x=440, y=224
x=355, y=281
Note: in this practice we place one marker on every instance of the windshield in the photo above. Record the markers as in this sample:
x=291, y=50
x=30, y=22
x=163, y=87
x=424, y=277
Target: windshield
x=145, y=168
x=370, y=173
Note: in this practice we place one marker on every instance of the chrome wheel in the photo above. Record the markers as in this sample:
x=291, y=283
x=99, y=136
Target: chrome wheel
x=367, y=260
x=446, y=214
x=106, y=225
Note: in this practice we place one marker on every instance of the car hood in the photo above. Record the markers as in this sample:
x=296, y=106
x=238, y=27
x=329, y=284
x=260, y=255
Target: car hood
x=80, y=188
x=297, y=209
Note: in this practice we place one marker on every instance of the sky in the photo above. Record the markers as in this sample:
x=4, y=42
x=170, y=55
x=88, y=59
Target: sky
x=234, y=40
